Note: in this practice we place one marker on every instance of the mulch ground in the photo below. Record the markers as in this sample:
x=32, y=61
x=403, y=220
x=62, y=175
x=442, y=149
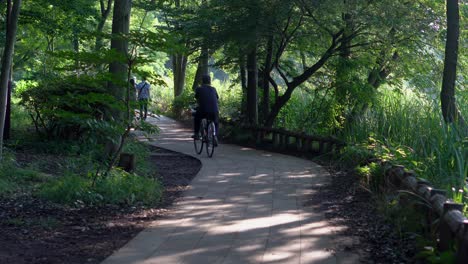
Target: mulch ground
x=36, y=231
x=351, y=207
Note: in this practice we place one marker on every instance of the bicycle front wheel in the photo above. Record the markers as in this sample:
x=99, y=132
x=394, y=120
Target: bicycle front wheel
x=210, y=138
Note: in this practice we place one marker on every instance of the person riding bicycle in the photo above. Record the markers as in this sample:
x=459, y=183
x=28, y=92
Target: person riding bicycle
x=207, y=99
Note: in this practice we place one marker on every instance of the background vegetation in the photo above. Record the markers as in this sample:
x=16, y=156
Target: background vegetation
x=368, y=72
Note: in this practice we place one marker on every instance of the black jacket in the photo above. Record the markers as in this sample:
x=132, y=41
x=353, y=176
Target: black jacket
x=207, y=99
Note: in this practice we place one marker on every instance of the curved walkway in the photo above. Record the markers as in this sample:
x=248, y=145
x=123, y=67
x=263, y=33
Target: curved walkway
x=244, y=206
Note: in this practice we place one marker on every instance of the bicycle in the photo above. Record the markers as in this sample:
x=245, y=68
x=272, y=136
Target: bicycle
x=207, y=137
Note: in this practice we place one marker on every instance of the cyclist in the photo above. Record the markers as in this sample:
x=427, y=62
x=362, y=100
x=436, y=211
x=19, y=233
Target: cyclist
x=207, y=99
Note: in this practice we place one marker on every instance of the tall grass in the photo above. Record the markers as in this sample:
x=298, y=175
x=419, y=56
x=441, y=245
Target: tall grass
x=403, y=120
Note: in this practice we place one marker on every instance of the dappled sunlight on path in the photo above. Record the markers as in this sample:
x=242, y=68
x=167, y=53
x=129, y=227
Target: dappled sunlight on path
x=244, y=206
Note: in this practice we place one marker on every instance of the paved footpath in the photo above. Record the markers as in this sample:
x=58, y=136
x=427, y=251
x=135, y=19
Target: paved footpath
x=244, y=206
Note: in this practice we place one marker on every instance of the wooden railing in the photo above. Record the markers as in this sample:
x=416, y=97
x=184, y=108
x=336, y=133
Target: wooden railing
x=453, y=225
x=281, y=139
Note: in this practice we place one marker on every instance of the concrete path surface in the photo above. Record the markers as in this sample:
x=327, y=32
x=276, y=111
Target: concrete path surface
x=244, y=206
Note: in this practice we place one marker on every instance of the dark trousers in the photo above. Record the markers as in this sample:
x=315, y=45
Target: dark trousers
x=143, y=108
x=199, y=116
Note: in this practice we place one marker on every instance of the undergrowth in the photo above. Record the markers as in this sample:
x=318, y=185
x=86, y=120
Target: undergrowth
x=63, y=172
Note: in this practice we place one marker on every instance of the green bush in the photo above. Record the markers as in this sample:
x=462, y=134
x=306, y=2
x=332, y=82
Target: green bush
x=63, y=107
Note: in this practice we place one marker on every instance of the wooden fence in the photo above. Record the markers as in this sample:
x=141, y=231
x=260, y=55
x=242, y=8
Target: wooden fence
x=281, y=139
x=453, y=225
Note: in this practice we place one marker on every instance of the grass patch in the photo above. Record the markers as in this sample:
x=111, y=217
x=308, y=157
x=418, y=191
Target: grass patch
x=119, y=188
x=13, y=178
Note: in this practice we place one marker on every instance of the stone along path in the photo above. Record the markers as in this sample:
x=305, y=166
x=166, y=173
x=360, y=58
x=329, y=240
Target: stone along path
x=244, y=206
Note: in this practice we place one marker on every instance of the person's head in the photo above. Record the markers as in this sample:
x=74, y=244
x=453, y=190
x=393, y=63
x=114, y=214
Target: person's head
x=145, y=78
x=206, y=79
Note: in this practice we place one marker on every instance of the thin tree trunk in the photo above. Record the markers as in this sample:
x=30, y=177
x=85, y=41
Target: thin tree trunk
x=105, y=11
x=341, y=83
x=266, y=79
x=12, y=26
x=252, y=82
x=243, y=80
x=6, y=130
x=447, y=94
x=76, y=48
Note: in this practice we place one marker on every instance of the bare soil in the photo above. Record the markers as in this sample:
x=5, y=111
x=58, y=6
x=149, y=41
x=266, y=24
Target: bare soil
x=36, y=231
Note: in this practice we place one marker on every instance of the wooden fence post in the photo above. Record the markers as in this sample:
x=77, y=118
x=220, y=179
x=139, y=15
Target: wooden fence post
x=284, y=141
x=446, y=236
x=275, y=139
x=260, y=136
x=298, y=143
x=321, y=146
x=306, y=144
x=462, y=254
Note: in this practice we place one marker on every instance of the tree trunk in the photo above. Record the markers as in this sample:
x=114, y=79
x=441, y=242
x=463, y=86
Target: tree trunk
x=6, y=130
x=76, y=48
x=180, y=66
x=105, y=11
x=118, y=69
x=266, y=79
x=342, y=82
x=447, y=94
x=202, y=68
x=243, y=79
x=11, y=28
x=252, y=82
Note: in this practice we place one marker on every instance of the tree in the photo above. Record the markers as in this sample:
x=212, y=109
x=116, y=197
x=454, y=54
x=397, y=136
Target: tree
x=447, y=95
x=13, y=10
x=104, y=11
x=179, y=65
x=118, y=68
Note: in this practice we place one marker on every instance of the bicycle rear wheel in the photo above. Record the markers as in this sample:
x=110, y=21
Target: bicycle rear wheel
x=210, y=139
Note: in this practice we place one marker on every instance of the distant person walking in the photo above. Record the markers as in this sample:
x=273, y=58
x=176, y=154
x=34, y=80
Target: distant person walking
x=143, y=90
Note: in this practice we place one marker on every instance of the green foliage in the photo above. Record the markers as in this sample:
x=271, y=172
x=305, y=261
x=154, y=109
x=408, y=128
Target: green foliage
x=68, y=107
x=373, y=175
x=408, y=130
x=183, y=101
x=354, y=155
x=118, y=188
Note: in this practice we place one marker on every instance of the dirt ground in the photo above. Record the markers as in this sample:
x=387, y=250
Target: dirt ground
x=35, y=231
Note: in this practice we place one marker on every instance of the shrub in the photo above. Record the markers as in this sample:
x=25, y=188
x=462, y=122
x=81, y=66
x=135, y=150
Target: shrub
x=64, y=106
